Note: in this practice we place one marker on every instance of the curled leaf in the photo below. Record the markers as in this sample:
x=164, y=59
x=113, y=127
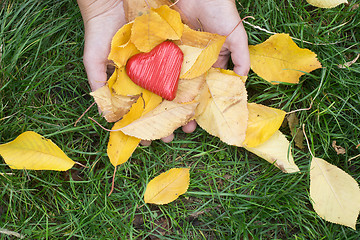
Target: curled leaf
x=222, y=110
x=113, y=106
x=276, y=150
x=279, y=59
x=168, y=186
x=335, y=194
x=31, y=151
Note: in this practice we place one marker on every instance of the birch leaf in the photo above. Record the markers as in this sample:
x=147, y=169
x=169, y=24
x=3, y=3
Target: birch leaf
x=124, y=85
x=121, y=47
x=276, y=150
x=210, y=43
x=135, y=8
x=120, y=146
x=279, y=59
x=222, y=110
x=262, y=124
x=335, y=194
x=113, y=106
x=326, y=3
x=31, y=151
x=168, y=186
x=151, y=29
x=161, y=121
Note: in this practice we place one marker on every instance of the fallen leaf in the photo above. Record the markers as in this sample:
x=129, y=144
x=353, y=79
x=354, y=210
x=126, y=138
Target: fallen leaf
x=295, y=131
x=348, y=64
x=157, y=29
x=135, y=8
x=279, y=59
x=222, y=110
x=121, y=47
x=113, y=106
x=276, y=150
x=326, y=3
x=31, y=151
x=335, y=194
x=191, y=54
x=120, y=146
x=111, y=81
x=189, y=89
x=168, y=186
x=338, y=149
x=210, y=43
x=262, y=124
x=124, y=85
x=161, y=121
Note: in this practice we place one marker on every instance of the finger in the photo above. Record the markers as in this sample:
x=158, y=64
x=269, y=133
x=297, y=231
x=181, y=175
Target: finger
x=168, y=138
x=145, y=143
x=237, y=43
x=189, y=127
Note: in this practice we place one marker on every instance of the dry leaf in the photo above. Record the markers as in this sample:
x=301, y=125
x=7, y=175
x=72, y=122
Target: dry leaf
x=120, y=146
x=279, y=59
x=276, y=150
x=121, y=47
x=338, y=149
x=190, y=56
x=348, y=64
x=113, y=106
x=168, y=186
x=188, y=89
x=262, y=124
x=157, y=29
x=31, y=151
x=296, y=132
x=335, y=194
x=124, y=85
x=326, y=3
x=210, y=44
x=135, y=8
x=222, y=110
x=161, y=121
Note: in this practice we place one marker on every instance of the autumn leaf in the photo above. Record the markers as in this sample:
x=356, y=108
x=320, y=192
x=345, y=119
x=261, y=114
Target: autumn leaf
x=209, y=43
x=326, y=3
x=161, y=121
x=168, y=186
x=156, y=27
x=120, y=146
x=295, y=131
x=113, y=106
x=222, y=110
x=121, y=47
x=189, y=89
x=31, y=151
x=135, y=8
x=276, y=150
x=335, y=194
x=123, y=85
x=262, y=124
x=279, y=59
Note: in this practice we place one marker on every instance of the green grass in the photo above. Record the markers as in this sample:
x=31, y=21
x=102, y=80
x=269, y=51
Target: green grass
x=232, y=195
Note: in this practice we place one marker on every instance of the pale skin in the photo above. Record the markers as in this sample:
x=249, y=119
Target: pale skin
x=102, y=19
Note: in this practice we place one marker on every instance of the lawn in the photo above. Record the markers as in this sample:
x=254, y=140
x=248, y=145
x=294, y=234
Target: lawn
x=233, y=194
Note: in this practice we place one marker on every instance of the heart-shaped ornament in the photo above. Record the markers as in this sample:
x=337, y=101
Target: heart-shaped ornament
x=158, y=70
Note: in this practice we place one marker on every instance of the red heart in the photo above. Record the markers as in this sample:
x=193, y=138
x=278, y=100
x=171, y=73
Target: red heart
x=158, y=70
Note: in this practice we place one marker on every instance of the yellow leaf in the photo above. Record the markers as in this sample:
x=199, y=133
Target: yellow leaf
x=190, y=56
x=262, y=124
x=124, y=85
x=161, y=121
x=135, y=8
x=189, y=89
x=121, y=47
x=172, y=18
x=113, y=106
x=151, y=29
x=120, y=147
x=276, y=150
x=279, y=59
x=209, y=43
x=112, y=80
x=31, y=151
x=326, y=3
x=335, y=194
x=168, y=186
x=222, y=110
